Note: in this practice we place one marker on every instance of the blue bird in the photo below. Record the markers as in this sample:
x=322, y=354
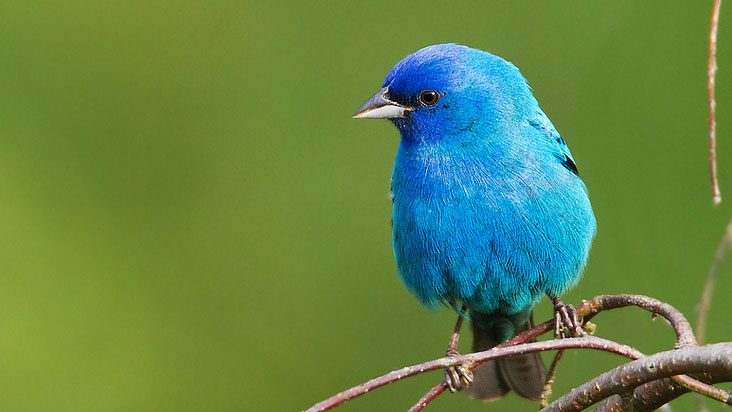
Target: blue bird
x=489, y=211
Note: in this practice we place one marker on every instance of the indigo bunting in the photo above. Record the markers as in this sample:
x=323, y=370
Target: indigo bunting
x=489, y=211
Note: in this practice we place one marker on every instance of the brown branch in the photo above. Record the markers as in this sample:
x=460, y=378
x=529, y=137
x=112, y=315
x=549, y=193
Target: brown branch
x=671, y=388
x=711, y=73
x=475, y=358
x=706, y=300
x=652, y=395
x=588, y=309
x=521, y=338
x=714, y=359
x=681, y=326
x=428, y=397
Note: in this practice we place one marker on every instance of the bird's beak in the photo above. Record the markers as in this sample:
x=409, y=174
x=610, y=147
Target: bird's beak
x=380, y=107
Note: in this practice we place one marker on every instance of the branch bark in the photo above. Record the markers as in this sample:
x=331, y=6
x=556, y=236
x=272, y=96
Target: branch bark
x=588, y=309
x=475, y=358
x=713, y=359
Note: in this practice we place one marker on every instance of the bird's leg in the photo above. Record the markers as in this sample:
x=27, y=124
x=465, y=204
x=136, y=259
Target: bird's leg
x=457, y=377
x=566, y=322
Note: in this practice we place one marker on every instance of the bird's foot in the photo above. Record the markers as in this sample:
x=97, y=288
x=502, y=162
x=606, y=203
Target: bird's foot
x=566, y=321
x=457, y=377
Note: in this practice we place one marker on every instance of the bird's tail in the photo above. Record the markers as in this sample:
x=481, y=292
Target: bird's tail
x=524, y=374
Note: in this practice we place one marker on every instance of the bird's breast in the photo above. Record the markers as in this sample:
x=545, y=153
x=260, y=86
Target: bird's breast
x=492, y=236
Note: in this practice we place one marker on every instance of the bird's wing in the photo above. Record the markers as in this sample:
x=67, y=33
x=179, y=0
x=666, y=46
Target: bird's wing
x=553, y=140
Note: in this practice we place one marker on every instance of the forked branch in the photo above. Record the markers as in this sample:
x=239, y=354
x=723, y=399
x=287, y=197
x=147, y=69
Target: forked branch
x=518, y=345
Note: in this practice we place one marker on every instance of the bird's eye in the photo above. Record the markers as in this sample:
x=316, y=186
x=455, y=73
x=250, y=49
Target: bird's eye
x=429, y=97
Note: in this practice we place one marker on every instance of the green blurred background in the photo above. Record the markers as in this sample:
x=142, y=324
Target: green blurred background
x=192, y=221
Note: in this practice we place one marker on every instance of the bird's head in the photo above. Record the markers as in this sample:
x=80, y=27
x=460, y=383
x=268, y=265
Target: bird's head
x=447, y=90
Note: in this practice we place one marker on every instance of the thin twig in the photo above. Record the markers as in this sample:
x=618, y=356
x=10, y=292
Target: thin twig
x=427, y=398
x=546, y=394
x=711, y=73
x=694, y=359
x=706, y=299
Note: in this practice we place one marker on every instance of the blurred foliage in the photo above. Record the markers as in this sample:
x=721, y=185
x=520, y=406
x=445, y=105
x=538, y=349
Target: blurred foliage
x=191, y=220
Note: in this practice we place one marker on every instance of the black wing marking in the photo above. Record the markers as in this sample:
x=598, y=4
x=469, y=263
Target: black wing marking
x=542, y=123
x=568, y=164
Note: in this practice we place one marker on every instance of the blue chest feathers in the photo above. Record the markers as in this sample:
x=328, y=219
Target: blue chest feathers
x=490, y=226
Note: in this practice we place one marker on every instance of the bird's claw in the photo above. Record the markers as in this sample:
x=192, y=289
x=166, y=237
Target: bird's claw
x=457, y=377
x=566, y=321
